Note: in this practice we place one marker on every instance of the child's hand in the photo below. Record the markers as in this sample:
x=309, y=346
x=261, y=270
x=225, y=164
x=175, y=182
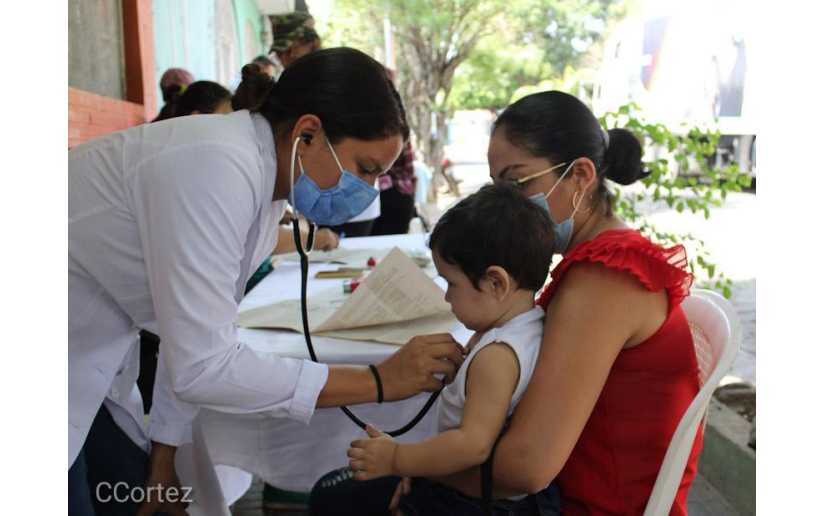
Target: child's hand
x=374, y=457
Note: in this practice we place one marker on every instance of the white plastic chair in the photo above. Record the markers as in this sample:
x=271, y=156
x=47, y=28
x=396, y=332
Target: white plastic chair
x=714, y=325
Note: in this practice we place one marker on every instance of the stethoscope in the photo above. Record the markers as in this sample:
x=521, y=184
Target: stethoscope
x=304, y=256
x=303, y=253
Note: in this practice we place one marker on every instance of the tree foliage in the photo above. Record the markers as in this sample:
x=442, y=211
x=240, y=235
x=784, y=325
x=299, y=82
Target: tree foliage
x=682, y=176
x=465, y=54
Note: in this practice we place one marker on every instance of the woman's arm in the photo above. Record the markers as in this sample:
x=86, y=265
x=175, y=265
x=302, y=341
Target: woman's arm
x=589, y=320
x=491, y=380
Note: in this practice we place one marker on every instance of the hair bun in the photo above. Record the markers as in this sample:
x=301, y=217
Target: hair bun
x=251, y=71
x=172, y=93
x=254, y=89
x=623, y=158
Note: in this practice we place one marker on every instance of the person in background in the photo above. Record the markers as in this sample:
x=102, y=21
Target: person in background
x=397, y=192
x=293, y=36
x=199, y=98
x=397, y=196
x=266, y=64
x=173, y=83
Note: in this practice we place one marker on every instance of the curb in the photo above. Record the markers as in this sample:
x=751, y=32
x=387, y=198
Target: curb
x=727, y=462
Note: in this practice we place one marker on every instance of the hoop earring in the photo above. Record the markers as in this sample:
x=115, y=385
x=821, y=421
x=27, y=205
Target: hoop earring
x=577, y=206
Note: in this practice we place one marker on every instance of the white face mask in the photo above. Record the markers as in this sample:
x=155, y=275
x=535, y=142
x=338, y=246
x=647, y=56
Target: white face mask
x=562, y=231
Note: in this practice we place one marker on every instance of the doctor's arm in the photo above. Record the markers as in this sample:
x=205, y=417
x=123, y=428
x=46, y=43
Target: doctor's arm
x=194, y=221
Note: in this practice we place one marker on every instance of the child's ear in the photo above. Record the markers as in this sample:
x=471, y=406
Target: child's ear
x=499, y=281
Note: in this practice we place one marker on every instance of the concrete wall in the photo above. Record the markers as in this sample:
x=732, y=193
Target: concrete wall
x=123, y=95
x=250, y=26
x=96, y=61
x=189, y=35
x=184, y=33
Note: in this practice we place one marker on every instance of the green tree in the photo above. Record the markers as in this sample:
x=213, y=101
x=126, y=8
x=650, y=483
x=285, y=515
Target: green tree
x=506, y=43
x=543, y=42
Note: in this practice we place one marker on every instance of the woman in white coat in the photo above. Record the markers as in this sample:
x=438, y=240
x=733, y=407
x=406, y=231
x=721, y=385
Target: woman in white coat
x=167, y=221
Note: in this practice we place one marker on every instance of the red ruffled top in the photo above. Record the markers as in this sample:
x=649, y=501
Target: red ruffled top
x=615, y=462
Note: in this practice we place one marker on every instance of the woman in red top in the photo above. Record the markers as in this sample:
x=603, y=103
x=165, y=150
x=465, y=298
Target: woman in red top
x=617, y=369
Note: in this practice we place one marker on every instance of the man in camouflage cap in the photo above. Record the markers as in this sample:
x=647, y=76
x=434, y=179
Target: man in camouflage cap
x=293, y=36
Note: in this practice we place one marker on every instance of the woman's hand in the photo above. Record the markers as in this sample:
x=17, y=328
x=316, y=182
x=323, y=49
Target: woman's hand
x=326, y=239
x=403, y=488
x=412, y=368
x=163, y=488
x=374, y=457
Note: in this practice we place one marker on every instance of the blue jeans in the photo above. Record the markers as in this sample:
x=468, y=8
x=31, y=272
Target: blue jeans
x=108, y=459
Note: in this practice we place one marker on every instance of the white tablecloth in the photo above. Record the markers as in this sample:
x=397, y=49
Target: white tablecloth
x=286, y=453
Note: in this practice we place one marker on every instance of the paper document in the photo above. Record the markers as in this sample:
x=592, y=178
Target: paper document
x=395, y=302
x=353, y=257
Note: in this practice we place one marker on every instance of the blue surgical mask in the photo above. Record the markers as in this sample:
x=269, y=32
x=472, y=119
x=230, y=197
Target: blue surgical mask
x=332, y=206
x=562, y=231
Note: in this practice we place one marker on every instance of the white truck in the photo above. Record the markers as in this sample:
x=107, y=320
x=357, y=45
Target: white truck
x=685, y=64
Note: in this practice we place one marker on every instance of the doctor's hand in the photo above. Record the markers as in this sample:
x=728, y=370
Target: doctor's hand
x=412, y=368
x=163, y=490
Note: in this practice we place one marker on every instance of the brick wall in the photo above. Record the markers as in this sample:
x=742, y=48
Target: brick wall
x=92, y=115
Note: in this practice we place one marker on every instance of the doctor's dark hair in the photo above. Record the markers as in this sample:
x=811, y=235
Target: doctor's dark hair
x=559, y=127
x=496, y=226
x=345, y=88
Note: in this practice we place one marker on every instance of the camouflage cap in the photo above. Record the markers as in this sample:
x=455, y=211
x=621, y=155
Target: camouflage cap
x=291, y=28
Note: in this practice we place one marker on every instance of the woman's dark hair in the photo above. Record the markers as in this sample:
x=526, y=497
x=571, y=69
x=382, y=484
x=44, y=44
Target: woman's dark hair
x=348, y=90
x=201, y=96
x=171, y=96
x=496, y=226
x=559, y=127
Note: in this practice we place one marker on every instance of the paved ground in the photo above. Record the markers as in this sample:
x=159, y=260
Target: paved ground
x=703, y=500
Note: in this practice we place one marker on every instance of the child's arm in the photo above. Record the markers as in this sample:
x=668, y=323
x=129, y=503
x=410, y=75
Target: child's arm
x=491, y=380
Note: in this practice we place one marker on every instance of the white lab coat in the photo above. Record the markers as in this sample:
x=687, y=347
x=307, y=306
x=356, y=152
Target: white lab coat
x=167, y=222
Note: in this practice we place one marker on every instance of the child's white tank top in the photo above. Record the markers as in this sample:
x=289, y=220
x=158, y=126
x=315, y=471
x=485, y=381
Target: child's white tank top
x=523, y=334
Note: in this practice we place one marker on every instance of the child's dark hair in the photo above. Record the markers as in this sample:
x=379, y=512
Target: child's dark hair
x=348, y=90
x=558, y=126
x=201, y=96
x=496, y=226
